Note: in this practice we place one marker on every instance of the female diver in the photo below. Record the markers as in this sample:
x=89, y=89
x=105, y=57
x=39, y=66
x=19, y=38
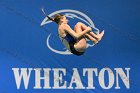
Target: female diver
x=75, y=40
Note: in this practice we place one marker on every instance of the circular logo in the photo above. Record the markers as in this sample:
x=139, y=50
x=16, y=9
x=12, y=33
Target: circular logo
x=73, y=14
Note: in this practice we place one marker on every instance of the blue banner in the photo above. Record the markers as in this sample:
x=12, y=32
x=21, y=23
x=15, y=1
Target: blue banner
x=34, y=60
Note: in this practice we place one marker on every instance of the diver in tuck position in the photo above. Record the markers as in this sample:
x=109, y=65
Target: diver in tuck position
x=75, y=40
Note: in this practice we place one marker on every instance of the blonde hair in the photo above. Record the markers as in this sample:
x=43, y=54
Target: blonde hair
x=56, y=18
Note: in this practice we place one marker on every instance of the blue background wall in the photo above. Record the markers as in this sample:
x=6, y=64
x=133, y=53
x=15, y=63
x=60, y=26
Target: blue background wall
x=23, y=41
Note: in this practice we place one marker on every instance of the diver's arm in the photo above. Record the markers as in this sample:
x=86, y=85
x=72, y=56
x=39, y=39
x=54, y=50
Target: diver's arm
x=74, y=34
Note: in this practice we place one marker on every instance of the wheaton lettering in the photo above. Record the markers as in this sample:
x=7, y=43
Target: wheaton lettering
x=57, y=78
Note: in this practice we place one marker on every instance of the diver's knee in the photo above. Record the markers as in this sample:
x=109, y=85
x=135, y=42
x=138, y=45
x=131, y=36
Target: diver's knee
x=79, y=23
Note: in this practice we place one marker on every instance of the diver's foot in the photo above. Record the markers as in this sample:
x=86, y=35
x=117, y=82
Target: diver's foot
x=95, y=42
x=100, y=35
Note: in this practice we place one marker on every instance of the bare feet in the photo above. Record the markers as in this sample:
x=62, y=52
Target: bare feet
x=100, y=35
x=95, y=42
x=95, y=39
x=91, y=38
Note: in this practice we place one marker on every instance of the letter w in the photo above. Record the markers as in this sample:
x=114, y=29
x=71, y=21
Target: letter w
x=23, y=75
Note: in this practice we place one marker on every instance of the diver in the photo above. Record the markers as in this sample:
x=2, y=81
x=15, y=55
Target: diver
x=75, y=40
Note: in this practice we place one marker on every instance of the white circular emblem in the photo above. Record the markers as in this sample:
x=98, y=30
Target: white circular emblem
x=73, y=14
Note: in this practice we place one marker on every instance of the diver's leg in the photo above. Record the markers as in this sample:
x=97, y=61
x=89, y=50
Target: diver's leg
x=81, y=44
x=98, y=36
x=95, y=41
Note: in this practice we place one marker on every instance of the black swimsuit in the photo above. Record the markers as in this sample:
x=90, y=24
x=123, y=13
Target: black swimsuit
x=71, y=42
